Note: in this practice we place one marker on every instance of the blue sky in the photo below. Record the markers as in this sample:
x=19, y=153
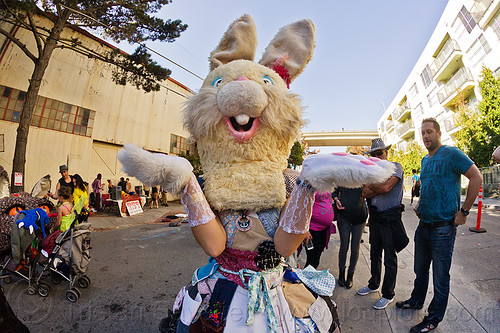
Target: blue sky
x=364, y=51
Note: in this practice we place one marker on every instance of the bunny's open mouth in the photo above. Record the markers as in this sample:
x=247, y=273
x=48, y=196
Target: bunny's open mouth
x=242, y=127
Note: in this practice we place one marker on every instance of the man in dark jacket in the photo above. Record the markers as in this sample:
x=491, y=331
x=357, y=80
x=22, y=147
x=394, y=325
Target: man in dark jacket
x=385, y=211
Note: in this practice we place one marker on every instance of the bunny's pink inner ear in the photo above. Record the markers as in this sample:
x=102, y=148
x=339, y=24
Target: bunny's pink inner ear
x=239, y=42
x=290, y=50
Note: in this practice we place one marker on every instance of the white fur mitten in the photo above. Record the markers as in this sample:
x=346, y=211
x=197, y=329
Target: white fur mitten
x=326, y=171
x=170, y=172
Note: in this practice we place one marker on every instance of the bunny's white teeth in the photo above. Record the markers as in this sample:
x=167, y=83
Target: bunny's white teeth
x=244, y=132
x=242, y=119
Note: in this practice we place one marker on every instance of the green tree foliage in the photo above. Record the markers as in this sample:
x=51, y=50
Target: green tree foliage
x=194, y=159
x=130, y=20
x=296, y=155
x=357, y=150
x=480, y=125
x=410, y=159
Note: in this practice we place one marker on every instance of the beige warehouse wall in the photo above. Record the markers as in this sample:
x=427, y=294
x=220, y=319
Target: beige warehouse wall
x=46, y=150
x=123, y=113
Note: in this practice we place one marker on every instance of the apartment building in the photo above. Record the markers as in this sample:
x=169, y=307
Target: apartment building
x=466, y=38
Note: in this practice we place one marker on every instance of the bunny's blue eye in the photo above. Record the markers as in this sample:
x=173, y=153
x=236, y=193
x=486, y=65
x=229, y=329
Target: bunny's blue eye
x=217, y=82
x=267, y=80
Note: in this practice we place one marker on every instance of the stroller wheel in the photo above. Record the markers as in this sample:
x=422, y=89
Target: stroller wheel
x=77, y=291
x=72, y=296
x=31, y=290
x=83, y=281
x=7, y=279
x=55, y=278
x=43, y=289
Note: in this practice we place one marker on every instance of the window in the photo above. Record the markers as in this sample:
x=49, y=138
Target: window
x=178, y=145
x=495, y=24
x=432, y=97
x=48, y=113
x=426, y=76
x=419, y=109
x=466, y=19
x=6, y=92
x=413, y=92
x=479, y=49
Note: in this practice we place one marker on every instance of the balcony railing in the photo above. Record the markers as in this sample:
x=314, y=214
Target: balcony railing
x=401, y=110
x=405, y=128
x=402, y=146
x=454, y=84
x=444, y=55
x=449, y=124
x=389, y=124
x=479, y=8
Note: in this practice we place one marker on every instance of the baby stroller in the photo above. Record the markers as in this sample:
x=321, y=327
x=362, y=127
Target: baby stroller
x=27, y=233
x=69, y=256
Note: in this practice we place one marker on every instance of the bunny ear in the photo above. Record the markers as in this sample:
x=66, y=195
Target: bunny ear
x=291, y=48
x=239, y=42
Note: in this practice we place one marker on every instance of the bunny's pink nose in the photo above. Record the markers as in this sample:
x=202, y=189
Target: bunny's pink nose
x=242, y=78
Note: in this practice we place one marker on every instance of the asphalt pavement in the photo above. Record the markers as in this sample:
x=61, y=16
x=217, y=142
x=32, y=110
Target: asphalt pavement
x=474, y=304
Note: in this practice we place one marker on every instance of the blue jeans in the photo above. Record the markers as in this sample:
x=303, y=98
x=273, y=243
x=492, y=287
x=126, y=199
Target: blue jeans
x=433, y=245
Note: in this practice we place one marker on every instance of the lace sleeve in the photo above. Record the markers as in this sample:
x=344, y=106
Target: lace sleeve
x=195, y=204
x=298, y=212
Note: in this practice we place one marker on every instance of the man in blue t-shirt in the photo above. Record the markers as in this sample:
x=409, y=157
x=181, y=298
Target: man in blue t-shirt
x=415, y=188
x=440, y=213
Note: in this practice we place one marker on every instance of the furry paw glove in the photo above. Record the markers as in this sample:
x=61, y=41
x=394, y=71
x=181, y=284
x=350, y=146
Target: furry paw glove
x=170, y=172
x=324, y=172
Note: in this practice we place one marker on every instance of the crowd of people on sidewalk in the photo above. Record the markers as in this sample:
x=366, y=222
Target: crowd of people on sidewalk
x=93, y=194
x=440, y=213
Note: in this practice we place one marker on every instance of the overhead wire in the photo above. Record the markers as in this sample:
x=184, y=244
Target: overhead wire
x=97, y=55
x=141, y=44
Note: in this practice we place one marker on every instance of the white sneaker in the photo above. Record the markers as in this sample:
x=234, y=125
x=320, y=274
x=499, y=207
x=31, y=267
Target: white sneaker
x=382, y=303
x=366, y=290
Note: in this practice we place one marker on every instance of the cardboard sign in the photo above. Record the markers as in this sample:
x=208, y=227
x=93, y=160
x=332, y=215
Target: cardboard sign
x=18, y=179
x=133, y=207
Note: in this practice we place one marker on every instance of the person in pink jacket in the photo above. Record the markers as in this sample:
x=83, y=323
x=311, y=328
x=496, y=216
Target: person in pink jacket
x=320, y=229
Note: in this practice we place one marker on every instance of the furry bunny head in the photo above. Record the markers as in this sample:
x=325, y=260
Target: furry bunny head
x=244, y=119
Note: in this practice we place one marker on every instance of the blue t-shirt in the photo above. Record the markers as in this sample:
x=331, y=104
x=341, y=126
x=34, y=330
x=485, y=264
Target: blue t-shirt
x=394, y=196
x=415, y=177
x=440, y=177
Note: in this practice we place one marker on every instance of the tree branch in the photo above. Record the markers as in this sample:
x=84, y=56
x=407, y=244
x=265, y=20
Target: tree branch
x=35, y=32
x=13, y=14
x=19, y=44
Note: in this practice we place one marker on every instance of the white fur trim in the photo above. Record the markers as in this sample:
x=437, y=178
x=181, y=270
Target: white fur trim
x=326, y=171
x=170, y=172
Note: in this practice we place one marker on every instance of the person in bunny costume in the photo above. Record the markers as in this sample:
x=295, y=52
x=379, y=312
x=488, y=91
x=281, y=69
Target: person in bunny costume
x=245, y=120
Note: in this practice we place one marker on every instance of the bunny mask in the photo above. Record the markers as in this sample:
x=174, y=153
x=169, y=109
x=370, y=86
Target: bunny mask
x=245, y=120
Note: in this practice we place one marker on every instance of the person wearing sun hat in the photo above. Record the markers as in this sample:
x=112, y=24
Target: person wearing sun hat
x=378, y=147
x=385, y=213
x=65, y=180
